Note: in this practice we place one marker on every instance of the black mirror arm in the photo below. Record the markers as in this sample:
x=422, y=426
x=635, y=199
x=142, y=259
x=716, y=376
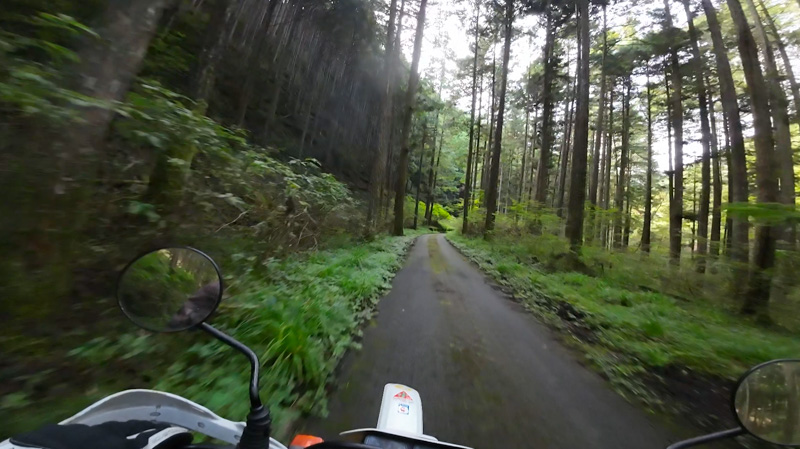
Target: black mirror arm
x=255, y=400
x=730, y=433
x=258, y=425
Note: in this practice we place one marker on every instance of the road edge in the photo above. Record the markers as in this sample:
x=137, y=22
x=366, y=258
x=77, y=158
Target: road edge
x=564, y=332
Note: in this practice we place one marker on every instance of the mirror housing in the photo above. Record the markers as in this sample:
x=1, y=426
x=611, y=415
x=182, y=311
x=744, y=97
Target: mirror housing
x=766, y=402
x=170, y=289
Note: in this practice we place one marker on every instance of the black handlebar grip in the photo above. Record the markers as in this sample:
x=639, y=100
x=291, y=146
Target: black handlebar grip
x=256, y=430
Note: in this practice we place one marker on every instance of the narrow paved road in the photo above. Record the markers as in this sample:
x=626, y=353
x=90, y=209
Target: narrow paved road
x=489, y=374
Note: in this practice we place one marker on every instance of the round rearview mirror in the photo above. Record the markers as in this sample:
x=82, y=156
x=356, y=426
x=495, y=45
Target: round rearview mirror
x=170, y=289
x=767, y=402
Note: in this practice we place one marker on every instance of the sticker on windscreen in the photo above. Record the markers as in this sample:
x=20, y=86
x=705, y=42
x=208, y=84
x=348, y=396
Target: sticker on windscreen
x=403, y=396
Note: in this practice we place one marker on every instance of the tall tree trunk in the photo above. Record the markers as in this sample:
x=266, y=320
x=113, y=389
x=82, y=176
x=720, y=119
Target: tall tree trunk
x=470, y=151
x=563, y=160
x=786, y=279
x=783, y=151
x=491, y=201
x=531, y=178
x=487, y=157
x=648, y=184
x=393, y=131
x=670, y=161
x=524, y=155
x=676, y=206
x=758, y=287
x=253, y=64
x=543, y=166
x=377, y=173
x=716, y=212
x=729, y=222
x=626, y=232
x=607, y=166
x=106, y=69
x=389, y=180
x=307, y=122
x=693, y=241
x=429, y=196
x=577, y=192
x=410, y=103
x=478, y=154
x=563, y=153
x=432, y=197
x=279, y=60
x=787, y=62
x=108, y=65
x=598, y=136
x=216, y=39
x=166, y=185
x=780, y=119
x=505, y=176
x=619, y=195
x=613, y=175
x=737, y=168
x=419, y=170
x=274, y=101
x=705, y=183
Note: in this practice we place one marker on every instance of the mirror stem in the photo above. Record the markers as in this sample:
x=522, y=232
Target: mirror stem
x=730, y=433
x=255, y=400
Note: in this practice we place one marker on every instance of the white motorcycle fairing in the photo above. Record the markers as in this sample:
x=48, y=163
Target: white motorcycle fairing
x=400, y=416
x=151, y=405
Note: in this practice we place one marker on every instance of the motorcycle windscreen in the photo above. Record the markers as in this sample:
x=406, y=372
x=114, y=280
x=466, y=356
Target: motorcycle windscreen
x=401, y=410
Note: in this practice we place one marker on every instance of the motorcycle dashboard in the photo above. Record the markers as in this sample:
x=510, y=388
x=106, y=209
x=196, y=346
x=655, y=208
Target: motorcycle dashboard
x=385, y=442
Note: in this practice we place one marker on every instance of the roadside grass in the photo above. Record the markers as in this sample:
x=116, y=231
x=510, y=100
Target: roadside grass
x=625, y=323
x=300, y=314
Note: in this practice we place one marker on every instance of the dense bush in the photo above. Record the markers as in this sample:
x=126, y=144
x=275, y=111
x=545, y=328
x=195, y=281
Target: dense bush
x=438, y=213
x=299, y=316
x=537, y=233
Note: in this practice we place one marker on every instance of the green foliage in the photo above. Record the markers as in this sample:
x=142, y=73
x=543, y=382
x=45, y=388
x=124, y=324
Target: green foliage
x=300, y=319
x=158, y=117
x=34, y=88
x=300, y=316
x=439, y=212
x=62, y=22
x=288, y=204
x=168, y=59
x=455, y=208
x=763, y=213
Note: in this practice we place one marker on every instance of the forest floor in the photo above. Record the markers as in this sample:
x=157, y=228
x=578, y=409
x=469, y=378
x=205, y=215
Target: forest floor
x=300, y=315
x=667, y=352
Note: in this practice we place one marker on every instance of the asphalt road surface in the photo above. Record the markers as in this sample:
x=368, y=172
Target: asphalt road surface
x=490, y=375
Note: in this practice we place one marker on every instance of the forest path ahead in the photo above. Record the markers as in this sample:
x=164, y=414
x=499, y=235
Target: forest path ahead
x=489, y=374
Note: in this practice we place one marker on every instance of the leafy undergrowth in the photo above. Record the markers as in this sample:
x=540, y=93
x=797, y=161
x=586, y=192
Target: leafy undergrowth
x=637, y=337
x=299, y=315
